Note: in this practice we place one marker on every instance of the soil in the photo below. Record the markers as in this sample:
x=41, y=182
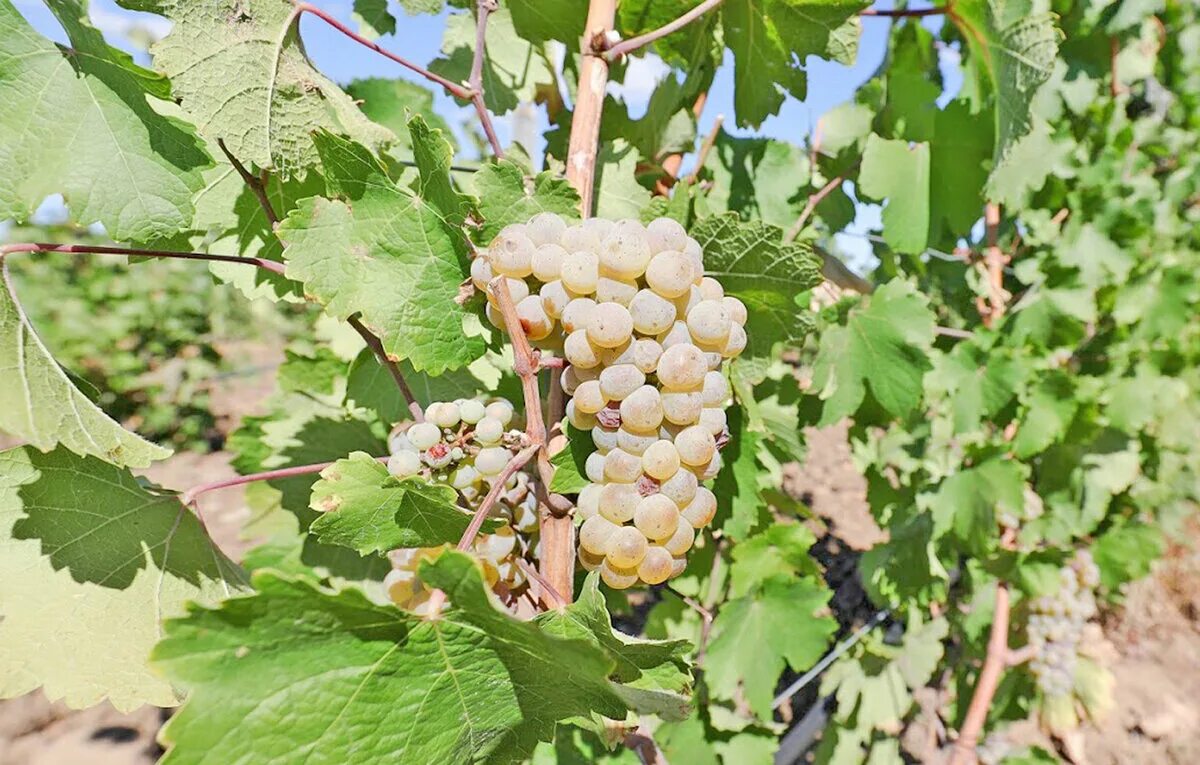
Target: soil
x=1155, y=633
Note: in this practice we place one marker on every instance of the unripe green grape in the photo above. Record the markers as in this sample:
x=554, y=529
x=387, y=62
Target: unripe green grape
x=610, y=325
x=472, y=411
x=496, y=545
x=645, y=354
x=683, y=538
x=670, y=274
x=736, y=308
x=678, y=334
x=621, y=466
x=545, y=228
x=609, y=290
x=547, y=262
x=618, y=578
x=444, y=414
x=590, y=561
x=651, y=313
x=604, y=438
x=682, y=367
x=577, y=238
x=716, y=389
x=500, y=410
x=665, y=234
x=596, y=533
x=642, y=409
x=511, y=252
x=572, y=376
x=713, y=419
x=692, y=249
x=577, y=314
x=700, y=511
x=711, y=289
x=423, y=435
x=686, y=302
x=696, y=445
x=624, y=254
x=398, y=442
x=617, y=382
x=517, y=289
x=580, y=420
x=489, y=430
x=682, y=407
x=404, y=464
x=626, y=547
x=619, y=501
x=656, y=566
x=534, y=320
x=481, y=272
x=709, y=322
x=494, y=316
x=656, y=517
x=660, y=460
x=580, y=272
x=589, y=500
x=713, y=360
x=588, y=397
x=678, y=565
x=633, y=441
x=735, y=343
x=579, y=351
x=593, y=467
x=600, y=227
x=708, y=470
x=555, y=298
x=491, y=460
x=620, y=354
x=465, y=476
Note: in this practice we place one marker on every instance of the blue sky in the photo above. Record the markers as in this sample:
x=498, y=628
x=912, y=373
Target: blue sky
x=418, y=38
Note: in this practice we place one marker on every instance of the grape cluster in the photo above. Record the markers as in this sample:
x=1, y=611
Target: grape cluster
x=1056, y=626
x=466, y=444
x=644, y=333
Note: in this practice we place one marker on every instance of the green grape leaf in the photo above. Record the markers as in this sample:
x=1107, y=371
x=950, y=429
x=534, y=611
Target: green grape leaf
x=782, y=548
x=884, y=346
x=371, y=386
x=691, y=48
x=740, y=506
x=780, y=619
x=242, y=74
x=507, y=196
x=79, y=121
x=540, y=20
x=1030, y=160
x=513, y=69
x=390, y=102
x=906, y=566
x=770, y=42
x=1125, y=553
x=383, y=251
x=667, y=126
x=960, y=147
x=569, y=474
x=978, y=380
x=758, y=178
x=755, y=265
x=899, y=173
x=364, y=508
x=40, y=404
x=91, y=560
x=365, y=683
x=969, y=501
x=618, y=194
x=373, y=18
x=652, y=676
x=1014, y=46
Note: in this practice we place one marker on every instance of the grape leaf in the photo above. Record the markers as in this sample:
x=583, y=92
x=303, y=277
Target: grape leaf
x=618, y=194
x=569, y=474
x=540, y=20
x=91, y=560
x=1049, y=408
x=906, y=566
x=389, y=102
x=779, y=618
x=40, y=404
x=364, y=683
x=969, y=501
x=782, y=548
x=960, y=147
x=754, y=264
x=884, y=346
x=740, y=506
x=505, y=196
x=512, y=70
x=371, y=386
x=79, y=121
x=242, y=73
x=978, y=379
x=373, y=18
x=1126, y=552
x=770, y=41
x=366, y=509
x=758, y=178
x=1014, y=46
x=383, y=251
x=692, y=48
x=899, y=173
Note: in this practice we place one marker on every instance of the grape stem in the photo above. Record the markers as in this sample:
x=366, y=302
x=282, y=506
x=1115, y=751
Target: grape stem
x=257, y=185
x=642, y=744
x=625, y=47
x=993, y=307
x=376, y=345
x=997, y=658
x=88, y=249
x=810, y=205
x=900, y=13
x=710, y=140
x=190, y=496
x=589, y=101
x=483, y=9
x=550, y=596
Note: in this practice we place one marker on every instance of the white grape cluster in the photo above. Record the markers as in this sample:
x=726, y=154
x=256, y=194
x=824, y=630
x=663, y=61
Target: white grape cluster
x=645, y=334
x=1057, y=623
x=466, y=444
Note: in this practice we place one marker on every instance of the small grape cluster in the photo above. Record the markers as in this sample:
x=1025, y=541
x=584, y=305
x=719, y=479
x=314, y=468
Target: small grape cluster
x=1056, y=626
x=466, y=444
x=645, y=334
